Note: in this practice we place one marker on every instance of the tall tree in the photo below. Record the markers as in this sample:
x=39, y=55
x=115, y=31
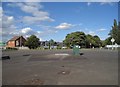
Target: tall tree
x=32, y=42
x=115, y=32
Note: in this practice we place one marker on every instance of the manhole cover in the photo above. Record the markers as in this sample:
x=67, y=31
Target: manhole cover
x=34, y=82
x=64, y=72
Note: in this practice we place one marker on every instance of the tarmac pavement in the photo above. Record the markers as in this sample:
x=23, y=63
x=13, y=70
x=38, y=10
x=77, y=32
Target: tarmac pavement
x=43, y=67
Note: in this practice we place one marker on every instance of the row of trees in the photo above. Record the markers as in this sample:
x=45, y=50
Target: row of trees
x=87, y=41
x=33, y=42
x=81, y=39
x=78, y=38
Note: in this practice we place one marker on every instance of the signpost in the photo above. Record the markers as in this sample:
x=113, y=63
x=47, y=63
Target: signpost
x=90, y=45
x=112, y=40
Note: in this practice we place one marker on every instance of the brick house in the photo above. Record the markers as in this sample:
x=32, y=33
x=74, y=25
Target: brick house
x=17, y=41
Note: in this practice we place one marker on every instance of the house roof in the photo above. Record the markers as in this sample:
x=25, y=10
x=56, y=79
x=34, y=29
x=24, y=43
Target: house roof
x=15, y=38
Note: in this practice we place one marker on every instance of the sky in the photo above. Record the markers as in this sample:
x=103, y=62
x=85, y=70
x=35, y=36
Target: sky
x=54, y=20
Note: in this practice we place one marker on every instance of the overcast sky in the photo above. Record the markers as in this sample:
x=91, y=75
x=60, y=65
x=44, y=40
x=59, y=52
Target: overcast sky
x=54, y=20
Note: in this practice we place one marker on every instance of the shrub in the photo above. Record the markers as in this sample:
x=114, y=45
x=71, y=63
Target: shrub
x=11, y=48
x=59, y=47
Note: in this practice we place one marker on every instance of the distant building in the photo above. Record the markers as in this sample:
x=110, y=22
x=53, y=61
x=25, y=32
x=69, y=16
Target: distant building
x=17, y=41
x=60, y=44
x=46, y=44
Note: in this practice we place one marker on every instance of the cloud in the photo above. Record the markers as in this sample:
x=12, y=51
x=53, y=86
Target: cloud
x=104, y=3
x=91, y=33
x=36, y=14
x=89, y=3
x=1, y=11
x=26, y=30
x=64, y=26
x=100, y=30
x=29, y=31
x=8, y=27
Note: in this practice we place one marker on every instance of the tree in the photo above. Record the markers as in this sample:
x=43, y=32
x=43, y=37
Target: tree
x=115, y=32
x=108, y=41
x=93, y=41
x=97, y=40
x=75, y=38
x=51, y=43
x=89, y=41
x=32, y=42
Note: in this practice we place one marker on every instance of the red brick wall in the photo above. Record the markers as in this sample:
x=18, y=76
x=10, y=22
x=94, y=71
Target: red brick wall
x=11, y=44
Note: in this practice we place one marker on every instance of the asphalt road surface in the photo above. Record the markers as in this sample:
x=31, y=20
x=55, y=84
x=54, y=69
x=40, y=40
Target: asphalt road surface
x=60, y=67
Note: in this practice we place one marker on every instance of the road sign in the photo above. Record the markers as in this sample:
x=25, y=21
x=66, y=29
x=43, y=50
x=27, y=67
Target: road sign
x=112, y=40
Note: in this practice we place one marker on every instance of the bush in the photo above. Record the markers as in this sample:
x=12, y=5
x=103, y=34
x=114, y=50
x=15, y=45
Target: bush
x=59, y=47
x=11, y=48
